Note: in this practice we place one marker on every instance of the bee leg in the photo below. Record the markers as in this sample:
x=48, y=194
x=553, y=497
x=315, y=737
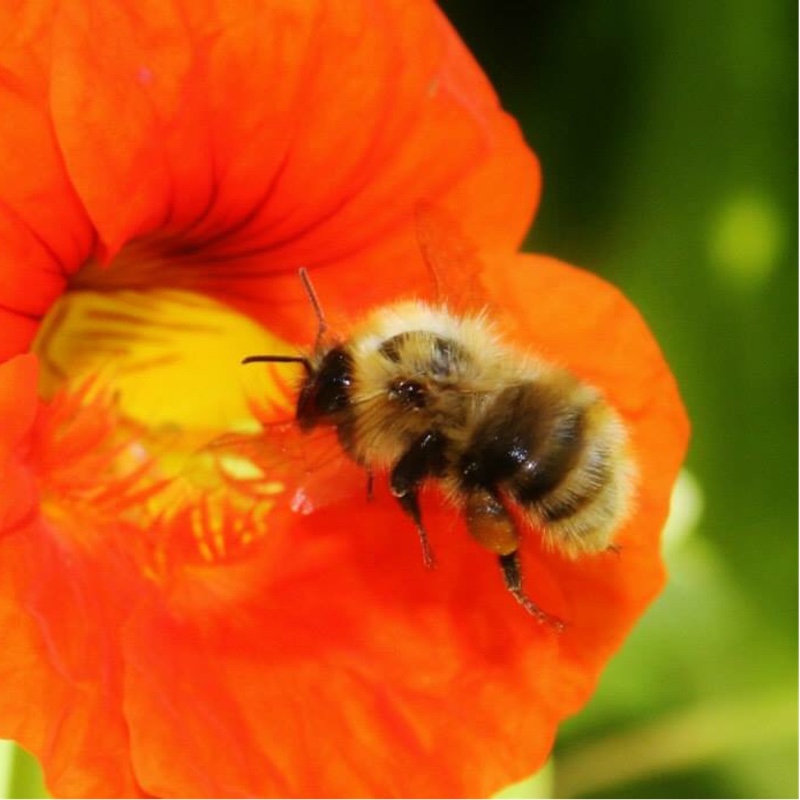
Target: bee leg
x=512, y=574
x=409, y=502
x=370, y=485
x=423, y=459
x=490, y=524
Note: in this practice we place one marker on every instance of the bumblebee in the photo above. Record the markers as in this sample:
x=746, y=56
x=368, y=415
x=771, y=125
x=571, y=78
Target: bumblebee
x=422, y=393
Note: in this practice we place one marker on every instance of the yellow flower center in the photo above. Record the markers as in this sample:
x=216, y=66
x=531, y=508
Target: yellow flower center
x=142, y=383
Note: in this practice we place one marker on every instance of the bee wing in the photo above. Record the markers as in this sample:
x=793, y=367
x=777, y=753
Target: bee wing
x=452, y=259
x=307, y=470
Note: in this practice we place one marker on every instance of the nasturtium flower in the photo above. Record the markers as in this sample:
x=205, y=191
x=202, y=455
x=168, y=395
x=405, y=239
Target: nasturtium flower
x=167, y=167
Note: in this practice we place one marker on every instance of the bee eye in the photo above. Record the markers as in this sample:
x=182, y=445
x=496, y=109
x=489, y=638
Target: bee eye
x=409, y=393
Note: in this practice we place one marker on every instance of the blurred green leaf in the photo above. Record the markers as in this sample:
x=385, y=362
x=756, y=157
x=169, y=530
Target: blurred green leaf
x=537, y=786
x=20, y=774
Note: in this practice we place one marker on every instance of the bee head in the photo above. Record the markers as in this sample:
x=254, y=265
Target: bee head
x=325, y=392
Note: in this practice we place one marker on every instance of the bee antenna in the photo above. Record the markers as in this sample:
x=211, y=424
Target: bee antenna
x=321, y=330
x=281, y=360
x=312, y=296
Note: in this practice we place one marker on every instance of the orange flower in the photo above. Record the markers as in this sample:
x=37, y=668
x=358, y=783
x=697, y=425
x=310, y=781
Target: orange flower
x=177, y=164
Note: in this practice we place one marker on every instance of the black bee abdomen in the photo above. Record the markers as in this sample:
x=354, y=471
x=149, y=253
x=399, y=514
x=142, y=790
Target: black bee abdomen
x=491, y=458
x=529, y=441
x=326, y=393
x=568, y=505
x=555, y=460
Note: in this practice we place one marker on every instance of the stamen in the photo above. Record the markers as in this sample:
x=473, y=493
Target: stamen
x=137, y=381
x=101, y=475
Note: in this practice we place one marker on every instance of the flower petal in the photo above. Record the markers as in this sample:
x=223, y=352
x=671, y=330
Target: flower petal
x=43, y=228
x=60, y=671
x=18, y=403
x=64, y=587
x=301, y=132
x=580, y=321
x=375, y=676
x=236, y=143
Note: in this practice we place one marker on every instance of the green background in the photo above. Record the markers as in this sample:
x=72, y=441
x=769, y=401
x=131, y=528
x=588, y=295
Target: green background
x=667, y=133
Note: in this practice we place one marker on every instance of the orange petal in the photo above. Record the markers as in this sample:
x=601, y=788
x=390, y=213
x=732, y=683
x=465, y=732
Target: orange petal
x=61, y=668
x=59, y=613
x=329, y=662
x=343, y=668
x=298, y=132
x=43, y=228
x=584, y=323
x=18, y=405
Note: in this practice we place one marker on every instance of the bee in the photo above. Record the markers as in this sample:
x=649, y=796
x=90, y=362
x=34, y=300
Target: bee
x=422, y=393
